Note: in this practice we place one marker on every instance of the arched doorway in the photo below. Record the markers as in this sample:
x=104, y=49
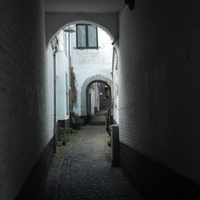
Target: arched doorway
x=105, y=88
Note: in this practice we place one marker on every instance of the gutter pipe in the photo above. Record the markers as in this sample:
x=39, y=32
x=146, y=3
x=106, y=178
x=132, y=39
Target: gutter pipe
x=55, y=124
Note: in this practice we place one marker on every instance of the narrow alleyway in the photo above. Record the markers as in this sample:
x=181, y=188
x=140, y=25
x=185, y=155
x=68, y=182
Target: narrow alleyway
x=98, y=118
x=82, y=169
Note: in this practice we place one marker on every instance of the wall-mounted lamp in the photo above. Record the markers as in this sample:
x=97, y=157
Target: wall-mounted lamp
x=54, y=43
x=69, y=30
x=130, y=4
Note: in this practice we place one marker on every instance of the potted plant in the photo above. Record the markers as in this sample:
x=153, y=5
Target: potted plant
x=78, y=122
x=63, y=134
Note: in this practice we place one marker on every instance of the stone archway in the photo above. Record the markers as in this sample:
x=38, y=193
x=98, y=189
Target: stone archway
x=88, y=81
x=56, y=21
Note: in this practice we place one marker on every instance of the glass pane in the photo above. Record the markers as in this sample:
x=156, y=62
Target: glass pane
x=92, y=36
x=81, y=36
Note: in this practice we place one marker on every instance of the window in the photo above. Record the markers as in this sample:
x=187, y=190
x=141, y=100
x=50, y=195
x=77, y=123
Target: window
x=86, y=36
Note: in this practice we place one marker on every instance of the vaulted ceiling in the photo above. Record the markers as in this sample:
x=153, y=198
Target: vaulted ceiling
x=84, y=6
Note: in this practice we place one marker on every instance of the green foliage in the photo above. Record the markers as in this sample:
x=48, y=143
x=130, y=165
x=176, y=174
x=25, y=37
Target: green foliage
x=79, y=121
x=63, y=133
x=108, y=93
x=73, y=89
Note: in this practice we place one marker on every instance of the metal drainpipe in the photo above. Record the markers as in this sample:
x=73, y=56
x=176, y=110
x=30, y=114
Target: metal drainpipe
x=55, y=124
x=70, y=78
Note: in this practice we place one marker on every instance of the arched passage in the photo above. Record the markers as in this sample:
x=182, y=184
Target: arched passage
x=79, y=110
x=84, y=90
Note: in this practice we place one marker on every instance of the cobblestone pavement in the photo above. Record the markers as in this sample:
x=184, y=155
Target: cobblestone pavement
x=82, y=170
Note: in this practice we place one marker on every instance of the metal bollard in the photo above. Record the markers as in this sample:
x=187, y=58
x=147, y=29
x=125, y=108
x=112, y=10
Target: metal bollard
x=115, y=145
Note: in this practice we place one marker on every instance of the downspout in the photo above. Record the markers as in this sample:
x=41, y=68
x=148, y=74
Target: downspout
x=95, y=97
x=70, y=78
x=55, y=124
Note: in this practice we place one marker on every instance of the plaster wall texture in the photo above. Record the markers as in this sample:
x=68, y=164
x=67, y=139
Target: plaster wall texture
x=90, y=62
x=115, y=85
x=26, y=117
x=61, y=74
x=93, y=100
x=159, y=83
x=96, y=96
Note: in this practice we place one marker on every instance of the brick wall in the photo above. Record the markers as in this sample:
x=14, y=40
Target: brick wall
x=34, y=186
x=159, y=85
x=26, y=117
x=154, y=180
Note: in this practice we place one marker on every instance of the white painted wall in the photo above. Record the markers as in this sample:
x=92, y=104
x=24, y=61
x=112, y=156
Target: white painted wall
x=159, y=84
x=115, y=90
x=26, y=117
x=61, y=74
x=90, y=62
x=93, y=92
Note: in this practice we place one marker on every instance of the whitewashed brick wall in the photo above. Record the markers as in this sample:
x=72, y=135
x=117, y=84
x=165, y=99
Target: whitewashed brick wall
x=159, y=83
x=90, y=62
x=26, y=117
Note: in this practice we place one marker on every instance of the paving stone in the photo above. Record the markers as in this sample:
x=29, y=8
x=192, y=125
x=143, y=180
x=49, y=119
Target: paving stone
x=84, y=170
